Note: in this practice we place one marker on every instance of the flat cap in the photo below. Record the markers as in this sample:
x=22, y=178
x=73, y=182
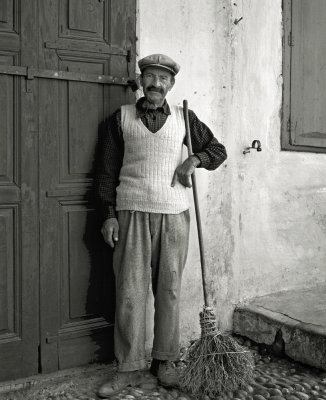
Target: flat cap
x=161, y=61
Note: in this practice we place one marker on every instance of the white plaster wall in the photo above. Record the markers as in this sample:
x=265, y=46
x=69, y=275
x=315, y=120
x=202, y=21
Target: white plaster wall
x=263, y=213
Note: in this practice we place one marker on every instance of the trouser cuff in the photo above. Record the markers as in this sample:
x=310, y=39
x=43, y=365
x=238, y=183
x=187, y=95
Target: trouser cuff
x=159, y=355
x=132, y=366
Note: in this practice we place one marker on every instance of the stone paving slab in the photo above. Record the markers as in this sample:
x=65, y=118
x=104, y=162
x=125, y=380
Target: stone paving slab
x=81, y=380
x=274, y=378
x=292, y=321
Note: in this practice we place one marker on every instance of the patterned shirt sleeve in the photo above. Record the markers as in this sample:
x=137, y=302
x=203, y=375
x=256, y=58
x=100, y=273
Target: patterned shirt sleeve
x=110, y=158
x=205, y=146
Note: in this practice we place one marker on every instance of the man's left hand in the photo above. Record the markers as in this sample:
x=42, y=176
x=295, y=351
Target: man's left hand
x=184, y=171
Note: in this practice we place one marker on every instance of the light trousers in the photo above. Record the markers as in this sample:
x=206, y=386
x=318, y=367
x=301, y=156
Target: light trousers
x=151, y=247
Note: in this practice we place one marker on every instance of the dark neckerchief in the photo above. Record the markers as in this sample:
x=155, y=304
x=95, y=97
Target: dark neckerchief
x=143, y=107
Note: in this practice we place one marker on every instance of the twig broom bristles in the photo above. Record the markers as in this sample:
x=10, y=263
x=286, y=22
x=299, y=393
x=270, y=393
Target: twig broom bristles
x=215, y=363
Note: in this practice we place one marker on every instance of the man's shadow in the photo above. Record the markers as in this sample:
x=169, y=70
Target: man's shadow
x=100, y=303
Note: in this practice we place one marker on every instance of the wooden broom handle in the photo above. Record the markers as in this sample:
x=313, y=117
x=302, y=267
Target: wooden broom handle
x=194, y=190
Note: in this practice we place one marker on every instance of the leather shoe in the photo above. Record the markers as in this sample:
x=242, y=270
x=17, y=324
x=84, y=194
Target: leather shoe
x=154, y=366
x=168, y=374
x=119, y=381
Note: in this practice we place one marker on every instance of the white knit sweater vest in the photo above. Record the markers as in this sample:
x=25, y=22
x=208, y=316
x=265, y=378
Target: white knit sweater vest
x=149, y=162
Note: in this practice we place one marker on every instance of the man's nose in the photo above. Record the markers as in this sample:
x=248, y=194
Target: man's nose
x=156, y=81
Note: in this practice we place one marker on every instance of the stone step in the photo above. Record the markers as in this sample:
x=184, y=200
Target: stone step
x=293, y=322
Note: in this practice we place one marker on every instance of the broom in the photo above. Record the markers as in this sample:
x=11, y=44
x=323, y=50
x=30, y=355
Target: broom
x=215, y=363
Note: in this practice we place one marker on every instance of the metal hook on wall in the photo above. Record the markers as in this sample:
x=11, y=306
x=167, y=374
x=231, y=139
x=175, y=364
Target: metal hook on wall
x=255, y=145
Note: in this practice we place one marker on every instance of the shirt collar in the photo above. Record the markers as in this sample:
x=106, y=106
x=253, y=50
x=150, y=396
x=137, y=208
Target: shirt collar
x=142, y=107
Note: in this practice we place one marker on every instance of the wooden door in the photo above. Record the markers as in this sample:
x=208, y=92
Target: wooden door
x=82, y=38
x=19, y=267
x=64, y=67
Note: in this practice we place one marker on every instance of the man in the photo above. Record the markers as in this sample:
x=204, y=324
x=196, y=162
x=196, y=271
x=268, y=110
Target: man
x=141, y=184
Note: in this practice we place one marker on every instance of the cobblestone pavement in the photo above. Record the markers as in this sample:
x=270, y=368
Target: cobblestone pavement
x=274, y=378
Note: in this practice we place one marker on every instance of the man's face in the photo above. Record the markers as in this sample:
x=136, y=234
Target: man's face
x=156, y=83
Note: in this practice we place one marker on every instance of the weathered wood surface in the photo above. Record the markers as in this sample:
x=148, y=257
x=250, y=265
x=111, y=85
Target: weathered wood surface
x=56, y=287
x=19, y=266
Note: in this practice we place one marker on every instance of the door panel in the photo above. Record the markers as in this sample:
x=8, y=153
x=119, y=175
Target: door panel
x=87, y=291
x=78, y=117
x=8, y=17
x=83, y=19
x=9, y=108
x=9, y=286
x=19, y=329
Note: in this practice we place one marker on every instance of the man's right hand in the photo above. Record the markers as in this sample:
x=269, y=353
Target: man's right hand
x=110, y=231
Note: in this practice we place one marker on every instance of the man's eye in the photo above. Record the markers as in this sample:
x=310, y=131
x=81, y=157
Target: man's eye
x=148, y=75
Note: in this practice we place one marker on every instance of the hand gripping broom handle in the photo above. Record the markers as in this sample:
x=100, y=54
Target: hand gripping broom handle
x=194, y=189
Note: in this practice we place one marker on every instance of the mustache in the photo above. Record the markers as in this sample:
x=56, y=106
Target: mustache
x=154, y=89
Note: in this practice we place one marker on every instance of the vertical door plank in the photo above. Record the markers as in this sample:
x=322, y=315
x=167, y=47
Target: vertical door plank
x=19, y=306
x=50, y=254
